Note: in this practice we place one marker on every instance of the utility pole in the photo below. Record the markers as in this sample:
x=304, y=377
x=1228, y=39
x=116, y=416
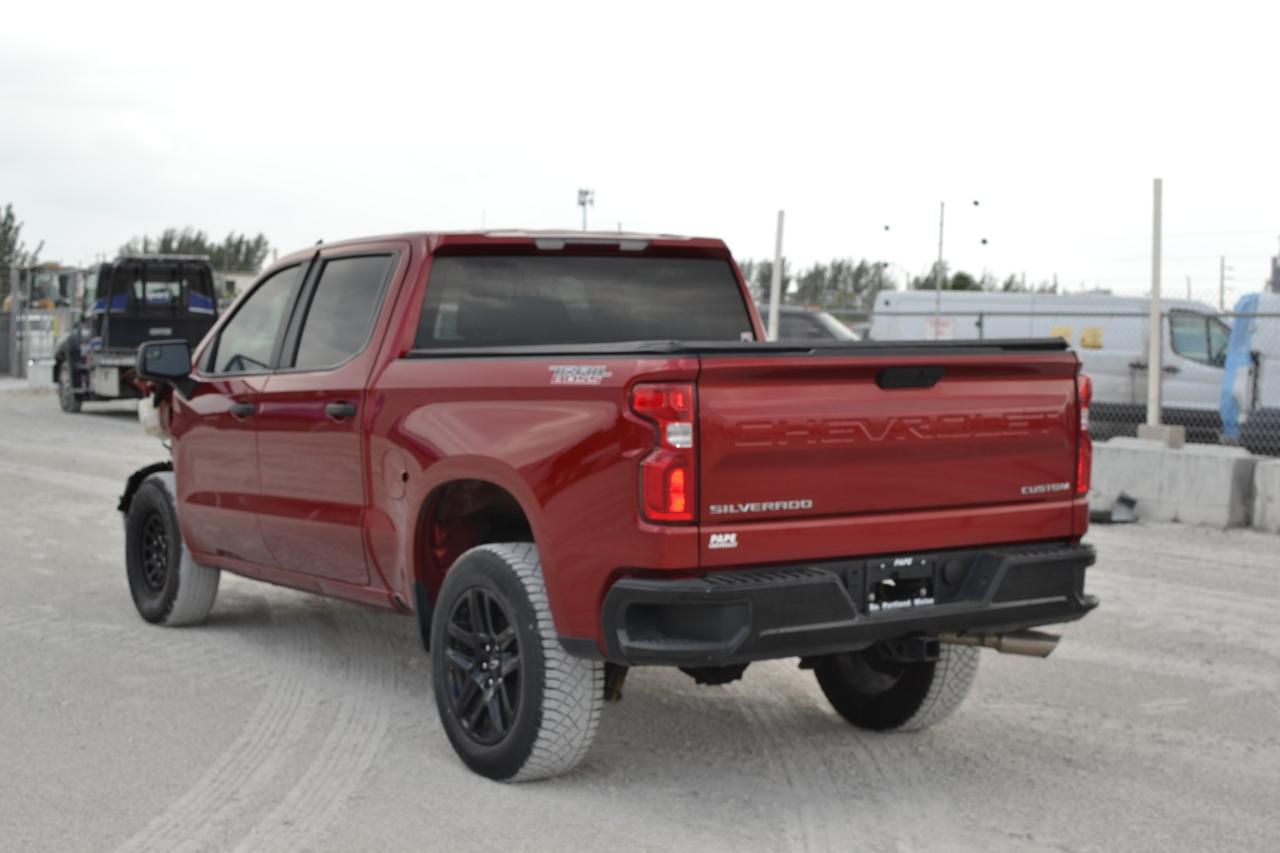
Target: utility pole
x=586, y=198
x=1155, y=333
x=1223, y=269
x=775, y=283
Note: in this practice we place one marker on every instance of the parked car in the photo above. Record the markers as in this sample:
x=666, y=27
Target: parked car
x=135, y=298
x=808, y=324
x=1109, y=333
x=559, y=454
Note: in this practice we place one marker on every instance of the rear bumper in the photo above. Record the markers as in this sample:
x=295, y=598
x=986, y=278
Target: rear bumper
x=742, y=615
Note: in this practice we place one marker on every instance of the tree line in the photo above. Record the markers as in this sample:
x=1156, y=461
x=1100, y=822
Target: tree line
x=13, y=251
x=236, y=253
x=848, y=285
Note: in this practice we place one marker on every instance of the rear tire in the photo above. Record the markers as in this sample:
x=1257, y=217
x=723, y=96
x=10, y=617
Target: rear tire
x=538, y=715
x=167, y=586
x=67, y=398
x=875, y=693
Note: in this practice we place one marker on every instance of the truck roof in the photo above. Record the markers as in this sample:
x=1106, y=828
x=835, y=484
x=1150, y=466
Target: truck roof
x=154, y=258
x=544, y=240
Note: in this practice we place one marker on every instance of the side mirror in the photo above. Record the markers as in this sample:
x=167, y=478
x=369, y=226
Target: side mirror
x=164, y=361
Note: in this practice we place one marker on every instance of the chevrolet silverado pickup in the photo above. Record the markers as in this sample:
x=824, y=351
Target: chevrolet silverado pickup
x=567, y=454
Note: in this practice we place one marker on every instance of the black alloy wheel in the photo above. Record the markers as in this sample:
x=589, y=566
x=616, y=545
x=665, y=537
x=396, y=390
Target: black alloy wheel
x=482, y=660
x=155, y=553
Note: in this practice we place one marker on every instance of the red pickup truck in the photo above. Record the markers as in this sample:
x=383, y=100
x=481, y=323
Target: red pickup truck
x=571, y=453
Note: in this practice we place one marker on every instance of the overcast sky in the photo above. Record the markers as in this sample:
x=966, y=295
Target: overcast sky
x=119, y=119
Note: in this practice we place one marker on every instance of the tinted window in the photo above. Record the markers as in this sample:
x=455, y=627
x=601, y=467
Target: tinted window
x=478, y=301
x=246, y=342
x=343, y=307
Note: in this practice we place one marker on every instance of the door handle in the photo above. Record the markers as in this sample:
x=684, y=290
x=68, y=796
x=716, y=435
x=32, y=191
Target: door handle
x=340, y=410
x=241, y=410
x=1172, y=368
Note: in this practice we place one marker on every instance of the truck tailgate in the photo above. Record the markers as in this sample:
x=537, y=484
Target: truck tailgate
x=811, y=436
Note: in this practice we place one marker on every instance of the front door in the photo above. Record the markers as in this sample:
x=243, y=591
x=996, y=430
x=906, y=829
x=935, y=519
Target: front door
x=1198, y=346
x=216, y=445
x=310, y=423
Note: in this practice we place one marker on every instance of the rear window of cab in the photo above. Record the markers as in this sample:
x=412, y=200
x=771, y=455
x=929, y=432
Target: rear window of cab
x=503, y=301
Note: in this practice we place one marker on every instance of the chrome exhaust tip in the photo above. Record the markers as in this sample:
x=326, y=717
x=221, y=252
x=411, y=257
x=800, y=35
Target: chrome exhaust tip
x=1035, y=644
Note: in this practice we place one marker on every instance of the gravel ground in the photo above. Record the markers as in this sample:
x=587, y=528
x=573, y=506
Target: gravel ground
x=289, y=722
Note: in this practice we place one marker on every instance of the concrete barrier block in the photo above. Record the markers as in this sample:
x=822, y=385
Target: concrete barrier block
x=1266, y=495
x=1209, y=484
x=1133, y=466
x=1195, y=484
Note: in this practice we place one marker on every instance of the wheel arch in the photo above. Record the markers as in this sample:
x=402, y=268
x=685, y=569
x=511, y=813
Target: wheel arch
x=457, y=513
x=135, y=480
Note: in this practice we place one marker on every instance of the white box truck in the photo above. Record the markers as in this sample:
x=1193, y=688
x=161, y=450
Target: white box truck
x=1109, y=333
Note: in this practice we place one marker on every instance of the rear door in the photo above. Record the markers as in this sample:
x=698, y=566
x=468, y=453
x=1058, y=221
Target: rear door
x=820, y=436
x=311, y=419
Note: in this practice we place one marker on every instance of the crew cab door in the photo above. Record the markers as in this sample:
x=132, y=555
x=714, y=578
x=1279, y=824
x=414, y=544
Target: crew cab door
x=311, y=433
x=215, y=443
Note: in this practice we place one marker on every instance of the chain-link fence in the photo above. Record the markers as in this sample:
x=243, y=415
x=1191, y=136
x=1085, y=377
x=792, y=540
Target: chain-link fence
x=1220, y=372
x=29, y=340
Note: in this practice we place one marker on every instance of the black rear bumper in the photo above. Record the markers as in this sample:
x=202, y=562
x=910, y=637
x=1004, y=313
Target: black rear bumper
x=735, y=616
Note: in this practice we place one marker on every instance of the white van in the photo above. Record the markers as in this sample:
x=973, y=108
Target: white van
x=1251, y=385
x=1108, y=332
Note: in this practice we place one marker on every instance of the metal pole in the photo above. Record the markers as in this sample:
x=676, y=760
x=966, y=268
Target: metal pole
x=1155, y=331
x=775, y=283
x=937, y=275
x=1222, y=283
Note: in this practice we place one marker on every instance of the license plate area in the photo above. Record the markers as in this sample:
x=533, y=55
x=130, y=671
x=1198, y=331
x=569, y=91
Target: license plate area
x=900, y=583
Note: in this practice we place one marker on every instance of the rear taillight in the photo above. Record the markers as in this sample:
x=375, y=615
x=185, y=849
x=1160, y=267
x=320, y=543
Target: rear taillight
x=1084, y=446
x=667, y=473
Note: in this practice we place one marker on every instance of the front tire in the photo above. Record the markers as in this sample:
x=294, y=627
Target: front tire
x=514, y=704
x=167, y=586
x=67, y=398
x=874, y=692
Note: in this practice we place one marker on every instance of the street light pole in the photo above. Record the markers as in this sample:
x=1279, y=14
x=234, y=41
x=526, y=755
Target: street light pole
x=775, y=284
x=1155, y=332
x=586, y=198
